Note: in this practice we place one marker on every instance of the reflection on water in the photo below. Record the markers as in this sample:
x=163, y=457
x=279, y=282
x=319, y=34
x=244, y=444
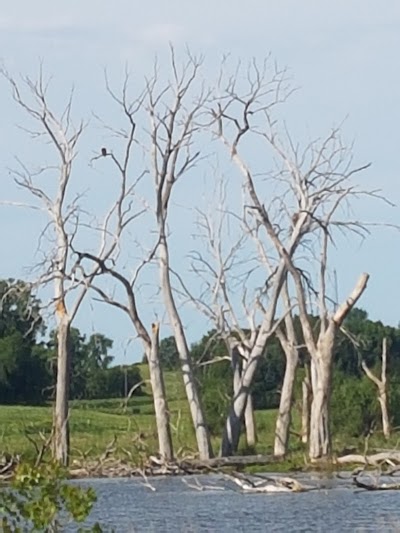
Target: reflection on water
x=127, y=506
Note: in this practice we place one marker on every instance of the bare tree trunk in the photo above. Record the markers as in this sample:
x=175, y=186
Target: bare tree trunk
x=285, y=405
x=192, y=393
x=305, y=405
x=381, y=384
x=61, y=441
x=320, y=436
x=230, y=438
x=249, y=421
x=159, y=398
x=151, y=349
x=385, y=413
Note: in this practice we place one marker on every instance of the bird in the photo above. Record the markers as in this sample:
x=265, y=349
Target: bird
x=104, y=152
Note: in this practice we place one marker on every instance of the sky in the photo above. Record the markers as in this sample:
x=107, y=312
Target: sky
x=342, y=57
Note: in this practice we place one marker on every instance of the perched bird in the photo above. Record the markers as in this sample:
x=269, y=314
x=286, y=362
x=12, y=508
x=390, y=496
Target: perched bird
x=104, y=152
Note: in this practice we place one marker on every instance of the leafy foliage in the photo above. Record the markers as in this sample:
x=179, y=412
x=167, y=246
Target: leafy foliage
x=23, y=370
x=40, y=499
x=355, y=409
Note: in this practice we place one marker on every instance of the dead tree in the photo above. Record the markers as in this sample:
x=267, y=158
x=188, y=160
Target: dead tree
x=174, y=110
x=66, y=223
x=150, y=343
x=123, y=221
x=233, y=113
x=222, y=273
x=63, y=221
x=310, y=185
x=381, y=384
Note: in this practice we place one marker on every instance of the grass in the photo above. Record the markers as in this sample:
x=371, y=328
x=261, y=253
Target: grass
x=94, y=424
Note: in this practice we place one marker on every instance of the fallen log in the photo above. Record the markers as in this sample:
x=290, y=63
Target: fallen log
x=156, y=466
x=267, y=484
x=236, y=461
x=374, y=486
x=391, y=458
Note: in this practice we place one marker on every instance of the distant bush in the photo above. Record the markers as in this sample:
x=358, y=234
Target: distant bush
x=354, y=405
x=216, y=389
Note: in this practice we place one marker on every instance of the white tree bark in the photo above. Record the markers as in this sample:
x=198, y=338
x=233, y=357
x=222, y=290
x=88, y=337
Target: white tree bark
x=173, y=112
x=321, y=375
x=381, y=384
x=189, y=380
x=321, y=372
x=284, y=417
x=159, y=397
x=306, y=405
x=61, y=441
x=288, y=342
x=249, y=421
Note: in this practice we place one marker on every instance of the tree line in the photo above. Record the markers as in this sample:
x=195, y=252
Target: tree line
x=28, y=369
x=355, y=405
x=260, y=266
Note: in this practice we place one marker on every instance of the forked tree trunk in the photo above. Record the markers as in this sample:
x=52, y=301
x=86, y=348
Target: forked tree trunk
x=284, y=418
x=321, y=354
x=249, y=421
x=381, y=384
x=306, y=405
x=61, y=444
x=191, y=388
x=159, y=398
x=234, y=421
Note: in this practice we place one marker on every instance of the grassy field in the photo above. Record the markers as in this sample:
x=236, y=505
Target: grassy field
x=95, y=424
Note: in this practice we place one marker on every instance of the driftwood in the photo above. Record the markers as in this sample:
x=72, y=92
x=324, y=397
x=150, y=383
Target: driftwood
x=389, y=457
x=108, y=466
x=235, y=461
x=372, y=484
x=266, y=484
x=8, y=463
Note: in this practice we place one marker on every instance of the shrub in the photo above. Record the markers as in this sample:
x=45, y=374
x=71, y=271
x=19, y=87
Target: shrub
x=39, y=499
x=354, y=405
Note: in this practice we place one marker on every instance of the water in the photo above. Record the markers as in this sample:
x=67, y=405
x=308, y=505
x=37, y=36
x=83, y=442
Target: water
x=127, y=506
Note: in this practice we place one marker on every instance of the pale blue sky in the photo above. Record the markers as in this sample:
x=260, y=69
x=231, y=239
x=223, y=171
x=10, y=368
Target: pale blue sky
x=343, y=56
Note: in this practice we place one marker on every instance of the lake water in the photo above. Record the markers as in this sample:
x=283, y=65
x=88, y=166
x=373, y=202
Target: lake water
x=128, y=506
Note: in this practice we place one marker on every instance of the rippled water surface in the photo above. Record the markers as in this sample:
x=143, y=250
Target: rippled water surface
x=127, y=505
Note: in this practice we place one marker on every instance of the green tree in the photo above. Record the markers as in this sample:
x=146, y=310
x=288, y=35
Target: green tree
x=24, y=374
x=168, y=352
